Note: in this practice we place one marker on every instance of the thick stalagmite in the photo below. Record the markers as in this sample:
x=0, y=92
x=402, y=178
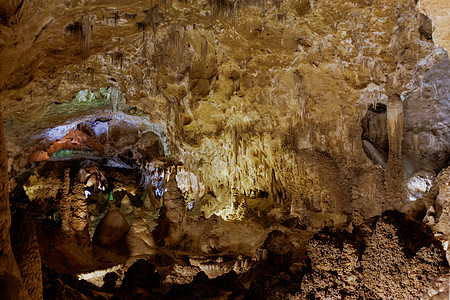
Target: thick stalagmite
x=222, y=135
x=64, y=204
x=11, y=285
x=26, y=251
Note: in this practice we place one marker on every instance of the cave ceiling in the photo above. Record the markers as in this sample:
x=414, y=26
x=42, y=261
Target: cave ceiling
x=297, y=114
x=246, y=94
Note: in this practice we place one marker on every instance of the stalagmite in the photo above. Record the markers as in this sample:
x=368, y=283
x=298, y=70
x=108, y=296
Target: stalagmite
x=395, y=127
x=395, y=175
x=111, y=228
x=73, y=208
x=64, y=205
x=80, y=216
x=11, y=284
x=87, y=29
x=26, y=251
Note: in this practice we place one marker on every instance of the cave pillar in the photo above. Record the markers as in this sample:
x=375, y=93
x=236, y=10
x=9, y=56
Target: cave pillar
x=11, y=284
x=74, y=211
x=80, y=215
x=65, y=206
x=395, y=174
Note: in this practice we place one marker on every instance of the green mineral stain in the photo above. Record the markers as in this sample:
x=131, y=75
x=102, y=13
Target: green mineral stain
x=66, y=153
x=72, y=153
x=84, y=100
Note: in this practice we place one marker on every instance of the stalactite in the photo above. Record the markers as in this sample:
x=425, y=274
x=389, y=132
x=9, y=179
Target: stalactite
x=64, y=205
x=117, y=58
x=153, y=17
x=116, y=18
x=83, y=31
x=300, y=94
x=90, y=71
x=395, y=174
x=277, y=3
x=395, y=127
x=204, y=48
x=231, y=8
x=117, y=101
x=176, y=41
x=87, y=31
x=281, y=18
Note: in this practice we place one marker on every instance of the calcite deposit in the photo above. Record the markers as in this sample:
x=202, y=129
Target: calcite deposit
x=287, y=149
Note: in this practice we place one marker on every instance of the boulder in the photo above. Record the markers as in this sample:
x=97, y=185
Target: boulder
x=111, y=228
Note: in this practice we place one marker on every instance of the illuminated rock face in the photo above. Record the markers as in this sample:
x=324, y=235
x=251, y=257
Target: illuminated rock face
x=294, y=112
x=438, y=11
x=245, y=95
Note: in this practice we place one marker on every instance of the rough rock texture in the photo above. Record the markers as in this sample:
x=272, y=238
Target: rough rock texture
x=437, y=216
x=243, y=96
x=38, y=188
x=395, y=174
x=11, y=283
x=388, y=257
x=139, y=280
x=442, y=202
x=26, y=252
x=139, y=239
x=171, y=215
x=111, y=228
x=277, y=118
x=73, y=206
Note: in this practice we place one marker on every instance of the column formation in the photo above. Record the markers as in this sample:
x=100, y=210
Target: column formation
x=395, y=180
x=9, y=271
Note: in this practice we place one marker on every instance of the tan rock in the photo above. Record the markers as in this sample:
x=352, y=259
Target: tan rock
x=111, y=228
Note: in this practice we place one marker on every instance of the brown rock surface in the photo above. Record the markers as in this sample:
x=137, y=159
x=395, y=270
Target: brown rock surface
x=12, y=286
x=439, y=11
x=240, y=102
x=111, y=228
x=26, y=252
x=388, y=257
x=247, y=119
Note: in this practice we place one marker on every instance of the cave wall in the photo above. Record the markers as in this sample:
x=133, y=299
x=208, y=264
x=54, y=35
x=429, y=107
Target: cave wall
x=11, y=284
x=264, y=96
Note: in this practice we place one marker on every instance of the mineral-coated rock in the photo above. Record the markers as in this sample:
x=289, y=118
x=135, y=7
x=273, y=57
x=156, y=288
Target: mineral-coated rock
x=111, y=228
x=289, y=103
x=238, y=98
x=11, y=281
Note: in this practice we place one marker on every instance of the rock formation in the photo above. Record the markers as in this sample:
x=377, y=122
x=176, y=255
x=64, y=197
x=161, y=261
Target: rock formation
x=11, y=280
x=241, y=148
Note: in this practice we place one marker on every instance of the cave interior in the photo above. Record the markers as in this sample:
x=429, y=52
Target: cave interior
x=224, y=149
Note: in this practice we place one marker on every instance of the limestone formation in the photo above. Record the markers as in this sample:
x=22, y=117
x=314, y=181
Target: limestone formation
x=242, y=148
x=338, y=267
x=395, y=174
x=12, y=286
x=111, y=228
x=26, y=252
